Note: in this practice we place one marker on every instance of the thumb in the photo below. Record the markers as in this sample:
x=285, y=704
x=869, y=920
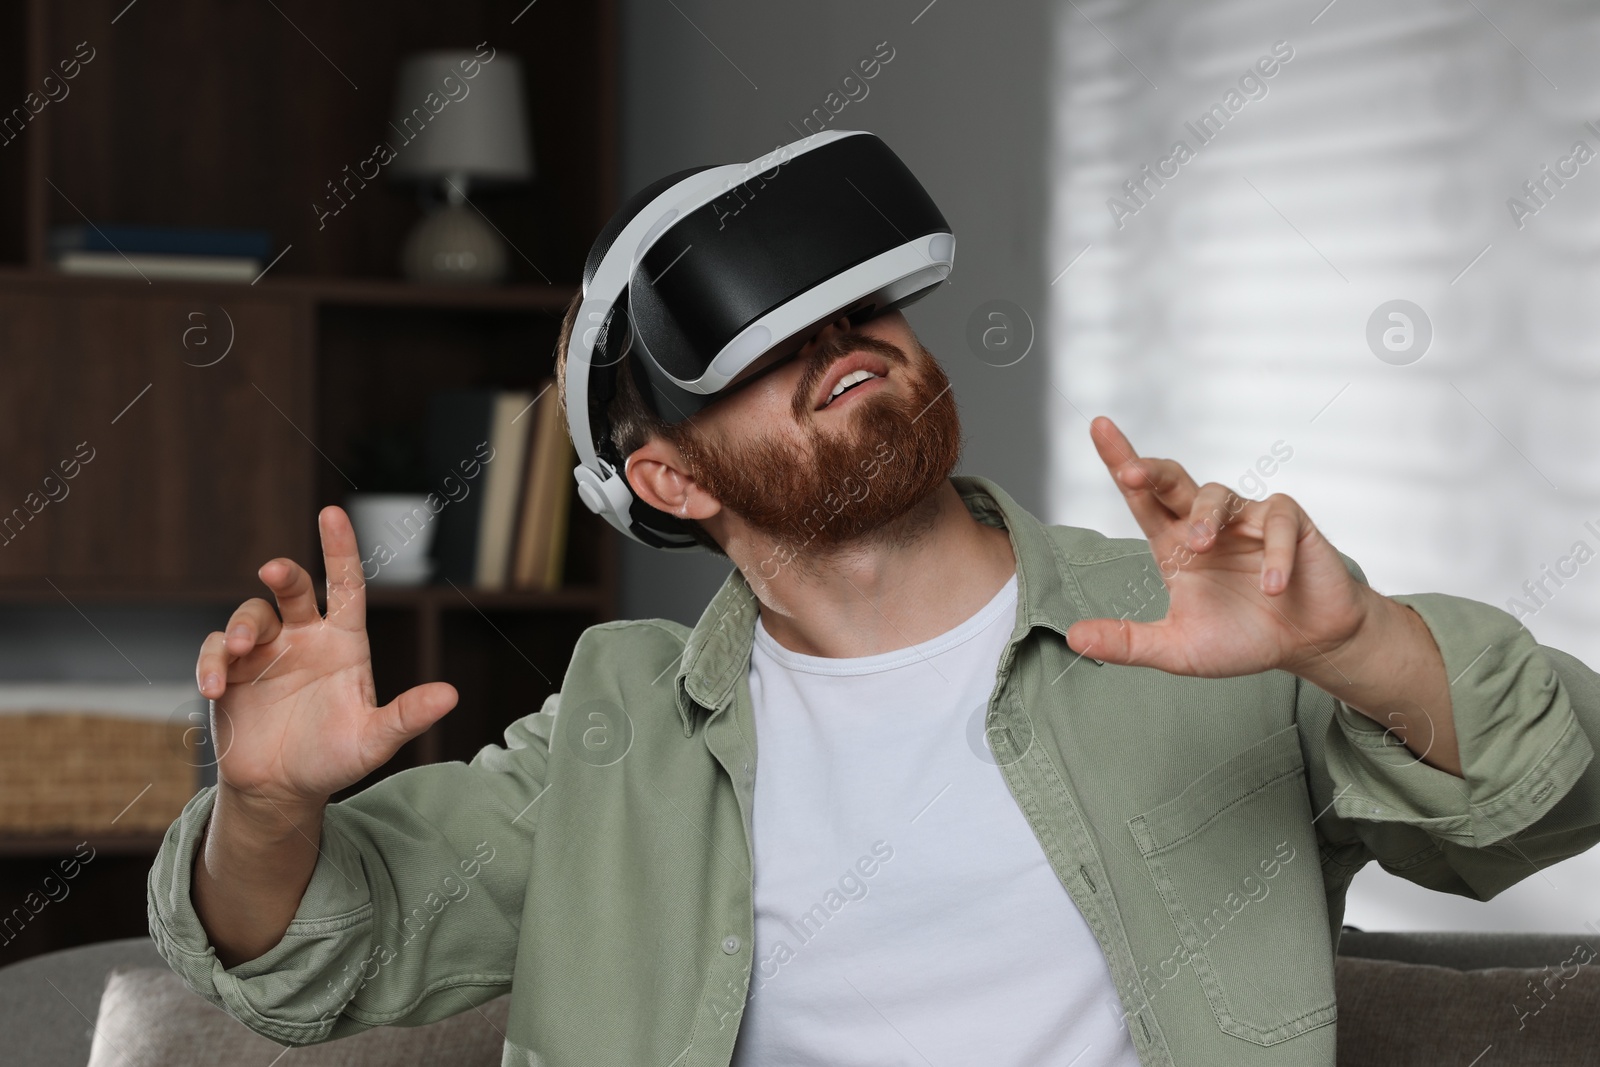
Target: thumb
x=413, y=711
x=1129, y=644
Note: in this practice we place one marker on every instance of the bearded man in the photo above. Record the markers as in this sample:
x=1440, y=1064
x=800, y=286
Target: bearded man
x=990, y=823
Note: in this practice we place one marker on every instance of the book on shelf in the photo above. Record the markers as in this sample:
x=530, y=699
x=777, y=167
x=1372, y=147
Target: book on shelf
x=501, y=461
x=160, y=240
x=457, y=444
x=167, y=252
x=163, y=267
x=547, y=492
x=508, y=435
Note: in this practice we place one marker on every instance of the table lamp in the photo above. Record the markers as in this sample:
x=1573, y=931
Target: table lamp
x=461, y=126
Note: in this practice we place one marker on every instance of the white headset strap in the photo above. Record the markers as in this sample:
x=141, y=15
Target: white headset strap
x=603, y=489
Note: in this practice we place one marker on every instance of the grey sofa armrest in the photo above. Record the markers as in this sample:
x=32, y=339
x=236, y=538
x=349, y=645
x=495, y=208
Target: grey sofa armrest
x=1466, y=951
x=48, y=1004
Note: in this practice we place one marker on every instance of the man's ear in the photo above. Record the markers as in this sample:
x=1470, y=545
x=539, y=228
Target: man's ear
x=660, y=476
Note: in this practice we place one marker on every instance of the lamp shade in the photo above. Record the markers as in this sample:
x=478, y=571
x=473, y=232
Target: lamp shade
x=457, y=114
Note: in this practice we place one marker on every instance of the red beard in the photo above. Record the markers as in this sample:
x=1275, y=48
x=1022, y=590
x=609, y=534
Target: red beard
x=855, y=482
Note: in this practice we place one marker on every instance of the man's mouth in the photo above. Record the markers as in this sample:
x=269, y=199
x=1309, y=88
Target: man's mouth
x=857, y=372
x=852, y=383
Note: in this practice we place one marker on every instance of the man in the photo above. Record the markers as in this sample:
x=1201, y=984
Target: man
x=1026, y=794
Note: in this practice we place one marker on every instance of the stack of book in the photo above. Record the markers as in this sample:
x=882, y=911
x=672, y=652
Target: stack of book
x=160, y=252
x=503, y=463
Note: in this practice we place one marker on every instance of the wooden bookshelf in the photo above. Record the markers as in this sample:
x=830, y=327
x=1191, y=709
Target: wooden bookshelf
x=198, y=114
x=332, y=292
x=54, y=844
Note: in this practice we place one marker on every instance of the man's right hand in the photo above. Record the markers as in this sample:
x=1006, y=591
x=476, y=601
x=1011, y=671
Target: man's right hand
x=295, y=720
x=296, y=716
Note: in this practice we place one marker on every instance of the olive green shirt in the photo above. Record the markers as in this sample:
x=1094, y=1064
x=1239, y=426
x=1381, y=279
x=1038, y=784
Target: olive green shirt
x=597, y=866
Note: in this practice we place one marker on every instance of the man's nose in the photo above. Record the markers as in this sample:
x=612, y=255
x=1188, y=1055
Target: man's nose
x=829, y=330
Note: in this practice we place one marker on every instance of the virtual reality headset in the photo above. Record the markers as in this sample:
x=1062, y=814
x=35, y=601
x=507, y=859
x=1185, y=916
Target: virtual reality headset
x=711, y=276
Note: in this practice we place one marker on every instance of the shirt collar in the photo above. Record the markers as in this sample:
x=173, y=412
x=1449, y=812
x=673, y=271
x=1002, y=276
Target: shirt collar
x=717, y=653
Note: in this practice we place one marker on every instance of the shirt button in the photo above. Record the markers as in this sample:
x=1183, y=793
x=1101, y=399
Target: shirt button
x=730, y=944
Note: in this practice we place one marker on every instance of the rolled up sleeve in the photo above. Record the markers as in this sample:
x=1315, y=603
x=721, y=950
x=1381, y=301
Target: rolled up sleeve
x=1527, y=722
x=289, y=992
x=413, y=910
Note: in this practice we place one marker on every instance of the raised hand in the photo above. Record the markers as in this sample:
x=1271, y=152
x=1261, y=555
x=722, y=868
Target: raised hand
x=295, y=713
x=1252, y=585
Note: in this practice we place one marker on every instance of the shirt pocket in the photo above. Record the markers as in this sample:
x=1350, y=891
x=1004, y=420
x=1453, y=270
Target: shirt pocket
x=1235, y=858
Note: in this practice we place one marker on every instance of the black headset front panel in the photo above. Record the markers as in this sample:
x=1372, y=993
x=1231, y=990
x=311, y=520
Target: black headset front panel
x=768, y=240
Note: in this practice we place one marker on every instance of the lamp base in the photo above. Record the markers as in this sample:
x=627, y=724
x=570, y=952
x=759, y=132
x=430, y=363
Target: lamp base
x=453, y=245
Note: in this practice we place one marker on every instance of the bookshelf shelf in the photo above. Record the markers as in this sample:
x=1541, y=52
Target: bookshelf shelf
x=331, y=292
x=50, y=845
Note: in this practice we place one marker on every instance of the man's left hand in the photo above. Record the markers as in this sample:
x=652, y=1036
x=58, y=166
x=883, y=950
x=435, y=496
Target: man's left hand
x=1254, y=586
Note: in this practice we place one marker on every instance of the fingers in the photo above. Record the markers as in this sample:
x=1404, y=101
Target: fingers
x=253, y=623
x=406, y=716
x=1115, y=449
x=1282, y=524
x=1164, y=480
x=1131, y=644
x=211, y=670
x=1214, y=507
x=1157, y=490
x=292, y=588
x=341, y=559
x=1278, y=522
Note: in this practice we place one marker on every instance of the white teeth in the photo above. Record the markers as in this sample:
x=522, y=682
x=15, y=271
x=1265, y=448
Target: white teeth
x=850, y=379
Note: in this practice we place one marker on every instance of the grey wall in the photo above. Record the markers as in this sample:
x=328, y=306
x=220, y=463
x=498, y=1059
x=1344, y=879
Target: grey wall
x=963, y=101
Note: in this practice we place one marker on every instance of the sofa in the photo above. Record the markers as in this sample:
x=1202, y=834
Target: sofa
x=1404, y=998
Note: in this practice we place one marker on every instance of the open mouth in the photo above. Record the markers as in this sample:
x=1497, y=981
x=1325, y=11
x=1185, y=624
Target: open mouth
x=851, y=384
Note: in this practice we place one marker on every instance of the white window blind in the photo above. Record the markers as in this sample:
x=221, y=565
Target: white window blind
x=1215, y=300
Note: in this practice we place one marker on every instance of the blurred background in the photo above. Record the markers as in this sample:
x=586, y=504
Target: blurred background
x=256, y=259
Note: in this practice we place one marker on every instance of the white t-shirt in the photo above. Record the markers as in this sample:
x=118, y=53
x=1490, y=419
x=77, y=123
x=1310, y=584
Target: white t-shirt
x=905, y=912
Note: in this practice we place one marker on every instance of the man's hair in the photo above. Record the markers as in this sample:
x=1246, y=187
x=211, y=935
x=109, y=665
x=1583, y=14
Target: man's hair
x=633, y=420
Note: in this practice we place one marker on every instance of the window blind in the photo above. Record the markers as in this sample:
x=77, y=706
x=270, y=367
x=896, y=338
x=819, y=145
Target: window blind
x=1363, y=234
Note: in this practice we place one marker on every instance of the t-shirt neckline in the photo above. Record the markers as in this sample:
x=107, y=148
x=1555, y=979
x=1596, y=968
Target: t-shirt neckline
x=1004, y=599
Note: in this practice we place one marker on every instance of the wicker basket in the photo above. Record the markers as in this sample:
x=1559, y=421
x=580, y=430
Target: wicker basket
x=81, y=772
